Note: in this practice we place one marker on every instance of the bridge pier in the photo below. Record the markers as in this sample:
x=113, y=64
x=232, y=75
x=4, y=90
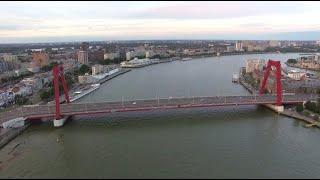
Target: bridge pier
x=275, y=107
x=60, y=122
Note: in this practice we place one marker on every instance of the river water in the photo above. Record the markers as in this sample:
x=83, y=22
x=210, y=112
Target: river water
x=220, y=142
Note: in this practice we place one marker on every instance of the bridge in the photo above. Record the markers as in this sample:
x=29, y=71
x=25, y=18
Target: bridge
x=61, y=111
x=40, y=111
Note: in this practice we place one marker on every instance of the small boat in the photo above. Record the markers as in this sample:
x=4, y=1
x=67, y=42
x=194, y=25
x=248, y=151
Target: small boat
x=186, y=59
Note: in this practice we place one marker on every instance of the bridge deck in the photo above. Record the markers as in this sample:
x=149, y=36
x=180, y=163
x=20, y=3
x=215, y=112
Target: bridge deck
x=39, y=111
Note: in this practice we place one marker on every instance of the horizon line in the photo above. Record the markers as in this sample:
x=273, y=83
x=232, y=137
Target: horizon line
x=79, y=41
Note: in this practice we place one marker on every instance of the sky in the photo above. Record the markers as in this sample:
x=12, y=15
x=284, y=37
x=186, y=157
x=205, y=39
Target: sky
x=56, y=21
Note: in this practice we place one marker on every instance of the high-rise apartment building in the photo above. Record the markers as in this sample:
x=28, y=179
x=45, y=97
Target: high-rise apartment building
x=239, y=46
x=40, y=59
x=84, y=46
x=83, y=57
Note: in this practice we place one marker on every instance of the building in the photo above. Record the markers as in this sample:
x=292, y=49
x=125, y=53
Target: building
x=83, y=57
x=86, y=79
x=274, y=43
x=97, y=69
x=96, y=55
x=22, y=90
x=239, y=46
x=136, y=63
x=122, y=54
x=231, y=48
x=6, y=97
x=149, y=54
x=3, y=66
x=111, y=56
x=10, y=58
x=34, y=82
x=296, y=75
x=34, y=67
x=259, y=47
x=128, y=56
x=84, y=46
x=40, y=59
x=253, y=64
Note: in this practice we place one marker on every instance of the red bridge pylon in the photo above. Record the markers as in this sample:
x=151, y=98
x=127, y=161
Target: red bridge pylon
x=276, y=64
x=58, y=74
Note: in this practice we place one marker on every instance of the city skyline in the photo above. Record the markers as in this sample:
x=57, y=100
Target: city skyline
x=33, y=22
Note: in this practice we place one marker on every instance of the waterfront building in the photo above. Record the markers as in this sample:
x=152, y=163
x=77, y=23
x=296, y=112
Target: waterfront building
x=230, y=48
x=97, y=69
x=128, y=56
x=86, y=79
x=274, y=43
x=239, y=46
x=149, y=54
x=137, y=62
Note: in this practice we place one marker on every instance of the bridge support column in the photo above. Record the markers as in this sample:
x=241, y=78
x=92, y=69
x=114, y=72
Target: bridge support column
x=60, y=122
x=58, y=73
x=275, y=107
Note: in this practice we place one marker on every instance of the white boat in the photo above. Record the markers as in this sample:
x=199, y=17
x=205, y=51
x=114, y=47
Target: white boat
x=78, y=96
x=186, y=59
x=235, y=77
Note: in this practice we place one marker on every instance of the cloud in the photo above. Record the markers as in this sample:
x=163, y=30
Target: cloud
x=174, y=20
x=216, y=10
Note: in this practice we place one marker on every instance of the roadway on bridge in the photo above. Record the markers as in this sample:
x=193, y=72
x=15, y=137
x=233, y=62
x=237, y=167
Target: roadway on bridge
x=38, y=111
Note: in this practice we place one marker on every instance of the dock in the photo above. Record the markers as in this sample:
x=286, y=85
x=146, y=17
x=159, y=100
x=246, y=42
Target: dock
x=122, y=71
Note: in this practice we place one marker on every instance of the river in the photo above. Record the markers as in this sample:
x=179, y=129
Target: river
x=220, y=142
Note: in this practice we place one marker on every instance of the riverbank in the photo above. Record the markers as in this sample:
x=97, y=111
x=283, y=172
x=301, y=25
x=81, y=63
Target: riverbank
x=299, y=67
x=286, y=112
x=293, y=114
x=6, y=135
x=231, y=54
x=101, y=81
x=149, y=63
x=122, y=71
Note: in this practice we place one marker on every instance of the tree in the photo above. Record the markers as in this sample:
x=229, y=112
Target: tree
x=44, y=95
x=20, y=100
x=312, y=106
x=299, y=108
x=84, y=69
x=292, y=61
